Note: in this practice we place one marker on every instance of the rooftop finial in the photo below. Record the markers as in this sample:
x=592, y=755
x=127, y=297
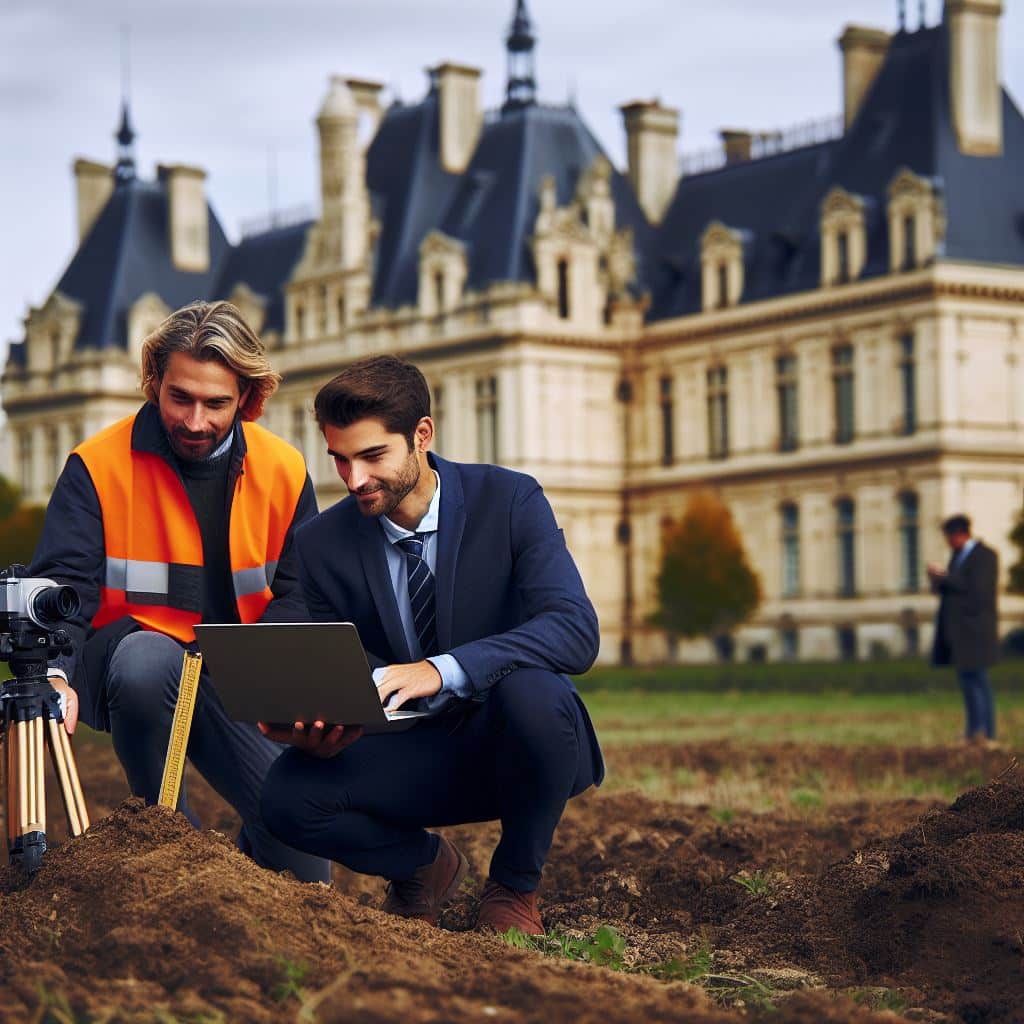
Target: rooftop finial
x=902, y=15
x=521, y=89
x=125, y=169
x=922, y=14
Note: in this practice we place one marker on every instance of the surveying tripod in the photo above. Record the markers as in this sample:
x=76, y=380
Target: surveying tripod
x=31, y=717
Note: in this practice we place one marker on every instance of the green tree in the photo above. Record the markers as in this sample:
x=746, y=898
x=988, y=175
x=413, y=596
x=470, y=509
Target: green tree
x=20, y=526
x=705, y=586
x=1017, y=569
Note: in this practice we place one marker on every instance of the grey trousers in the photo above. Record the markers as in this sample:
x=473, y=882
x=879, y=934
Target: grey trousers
x=142, y=688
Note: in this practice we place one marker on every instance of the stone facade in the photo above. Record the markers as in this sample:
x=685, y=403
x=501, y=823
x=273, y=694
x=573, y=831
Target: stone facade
x=841, y=422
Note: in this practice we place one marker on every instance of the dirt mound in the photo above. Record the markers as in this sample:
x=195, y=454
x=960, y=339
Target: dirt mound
x=937, y=911
x=144, y=912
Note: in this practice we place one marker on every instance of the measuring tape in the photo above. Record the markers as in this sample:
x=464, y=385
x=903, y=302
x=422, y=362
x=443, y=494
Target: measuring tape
x=177, y=744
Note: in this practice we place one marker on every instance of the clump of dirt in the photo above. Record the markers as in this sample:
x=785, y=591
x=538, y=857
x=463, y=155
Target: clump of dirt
x=937, y=911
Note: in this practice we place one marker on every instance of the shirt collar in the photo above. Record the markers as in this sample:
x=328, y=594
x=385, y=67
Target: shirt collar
x=428, y=524
x=966, y=549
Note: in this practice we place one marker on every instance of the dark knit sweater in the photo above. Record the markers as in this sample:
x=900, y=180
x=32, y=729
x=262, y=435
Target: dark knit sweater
x=207, y=486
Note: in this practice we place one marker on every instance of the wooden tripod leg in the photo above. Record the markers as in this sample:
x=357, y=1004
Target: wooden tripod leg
x=37, y=766
x=60, y=766
x=13, y=806
x=76, y=786
x=21, y=732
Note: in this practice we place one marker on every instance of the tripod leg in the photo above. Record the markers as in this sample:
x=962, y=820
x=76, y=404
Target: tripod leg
x=21, y=732
x=76, y=786
x=37, y=766
x=60, y=766
x=12, y=804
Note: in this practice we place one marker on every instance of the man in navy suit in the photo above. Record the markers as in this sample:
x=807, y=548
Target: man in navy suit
x=469, y=605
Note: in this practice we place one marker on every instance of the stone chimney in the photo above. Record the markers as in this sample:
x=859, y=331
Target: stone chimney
x=864, y=51
x=738, y=145
x=366, y=95
x=976, y=97
x=93, y=182
x=188, y=217
x=458, y=99
x=652, y=132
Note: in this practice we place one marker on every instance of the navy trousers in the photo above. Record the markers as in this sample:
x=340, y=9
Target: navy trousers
x=979, y=706
x=234, y=757
x=516, y=757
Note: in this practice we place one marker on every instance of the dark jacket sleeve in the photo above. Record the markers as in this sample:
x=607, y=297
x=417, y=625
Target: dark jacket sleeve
x=288, y=603
x=559, y=631
x=71, y=551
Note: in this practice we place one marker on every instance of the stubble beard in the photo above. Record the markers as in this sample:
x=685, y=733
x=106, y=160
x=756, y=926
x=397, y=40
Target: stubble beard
x=391, y=493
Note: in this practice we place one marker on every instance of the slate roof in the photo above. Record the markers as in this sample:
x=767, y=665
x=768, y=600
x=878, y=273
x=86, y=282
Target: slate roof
x=905, y=121
x=491, y=207
x=264, y=262
x=127, y=253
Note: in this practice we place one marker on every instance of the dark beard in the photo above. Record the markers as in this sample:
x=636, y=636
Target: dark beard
x=393, y=493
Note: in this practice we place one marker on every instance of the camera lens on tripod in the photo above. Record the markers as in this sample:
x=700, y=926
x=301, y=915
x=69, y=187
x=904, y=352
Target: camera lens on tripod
x=49, y=606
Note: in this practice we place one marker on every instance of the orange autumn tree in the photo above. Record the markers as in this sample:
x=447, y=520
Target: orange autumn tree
x=705, y=586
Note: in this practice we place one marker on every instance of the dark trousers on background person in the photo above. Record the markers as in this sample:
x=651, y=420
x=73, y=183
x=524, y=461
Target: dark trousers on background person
x=141, y=691
x=517, y=757
x=979, y=705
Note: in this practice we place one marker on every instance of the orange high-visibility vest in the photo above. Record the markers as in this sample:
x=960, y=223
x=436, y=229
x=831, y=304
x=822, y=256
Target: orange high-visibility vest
x=154, y=550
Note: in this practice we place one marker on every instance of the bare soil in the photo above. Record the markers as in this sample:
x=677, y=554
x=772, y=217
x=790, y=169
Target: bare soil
x=907, y=903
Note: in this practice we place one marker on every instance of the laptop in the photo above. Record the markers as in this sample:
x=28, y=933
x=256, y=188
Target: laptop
x=284, y=672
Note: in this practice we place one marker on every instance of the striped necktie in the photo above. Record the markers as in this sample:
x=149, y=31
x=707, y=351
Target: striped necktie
x=421, y=593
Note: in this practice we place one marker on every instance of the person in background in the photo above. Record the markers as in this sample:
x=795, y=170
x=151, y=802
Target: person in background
x=967, y=623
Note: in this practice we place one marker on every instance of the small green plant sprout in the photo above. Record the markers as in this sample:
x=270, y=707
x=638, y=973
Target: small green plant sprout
x=758, y=883
x=806, y=799
x=693, y=969
x=607, y=948
x=879, y=999
x=290, y=986
x=723, y=815
x=53, y=1008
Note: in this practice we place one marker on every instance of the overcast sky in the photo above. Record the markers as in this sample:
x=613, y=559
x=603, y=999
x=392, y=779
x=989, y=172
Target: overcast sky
x=226, y=83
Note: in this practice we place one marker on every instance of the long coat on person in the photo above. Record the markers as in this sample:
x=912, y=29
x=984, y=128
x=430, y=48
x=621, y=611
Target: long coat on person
x=967, y=623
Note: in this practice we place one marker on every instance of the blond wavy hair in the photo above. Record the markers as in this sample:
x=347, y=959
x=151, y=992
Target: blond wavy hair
x=211, y=330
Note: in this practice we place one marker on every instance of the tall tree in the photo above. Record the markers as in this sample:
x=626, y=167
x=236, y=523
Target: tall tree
x=706, y=586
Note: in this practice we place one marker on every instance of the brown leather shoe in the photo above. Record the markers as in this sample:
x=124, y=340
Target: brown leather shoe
x=502, y=908
x=430, y=888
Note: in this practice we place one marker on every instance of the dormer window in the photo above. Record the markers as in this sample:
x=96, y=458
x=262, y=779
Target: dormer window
x=917, y=222
x=442, y=273
x=721, y=257
x=843, y=238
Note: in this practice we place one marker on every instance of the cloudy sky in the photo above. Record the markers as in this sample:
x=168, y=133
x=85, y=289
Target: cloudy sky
x=234, y=86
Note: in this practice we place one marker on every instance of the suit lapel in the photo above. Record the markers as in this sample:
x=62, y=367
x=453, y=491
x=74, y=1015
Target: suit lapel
x=451, y=523
x=375, y=567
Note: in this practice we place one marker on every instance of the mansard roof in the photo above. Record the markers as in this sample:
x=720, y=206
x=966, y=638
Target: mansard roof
x=126, y=253
x=904, y=122
x=491, y=207
x=264, y=262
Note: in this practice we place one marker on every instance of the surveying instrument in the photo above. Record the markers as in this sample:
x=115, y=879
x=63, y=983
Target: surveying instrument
x=31, y=716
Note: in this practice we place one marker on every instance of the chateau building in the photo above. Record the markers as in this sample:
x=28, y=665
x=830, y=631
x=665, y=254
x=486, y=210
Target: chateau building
x=825, y=327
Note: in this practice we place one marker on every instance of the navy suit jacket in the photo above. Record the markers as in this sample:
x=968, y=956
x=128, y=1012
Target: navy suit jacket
x=508, y=593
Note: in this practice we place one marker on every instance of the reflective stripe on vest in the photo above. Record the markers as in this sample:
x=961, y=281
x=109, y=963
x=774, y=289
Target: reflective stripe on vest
x=154, y=550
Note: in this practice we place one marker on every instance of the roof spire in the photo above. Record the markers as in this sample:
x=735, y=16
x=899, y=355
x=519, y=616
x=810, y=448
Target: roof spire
x=922, y=14
x=125, y=169
x=902, y=10
x=521, y=89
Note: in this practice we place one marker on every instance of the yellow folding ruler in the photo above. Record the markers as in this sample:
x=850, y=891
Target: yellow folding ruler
x=177, y=744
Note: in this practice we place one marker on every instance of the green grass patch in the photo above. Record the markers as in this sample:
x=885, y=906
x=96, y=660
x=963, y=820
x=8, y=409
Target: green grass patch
x=858, y=677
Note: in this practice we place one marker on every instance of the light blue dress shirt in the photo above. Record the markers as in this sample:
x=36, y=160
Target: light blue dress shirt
x=453, y=675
